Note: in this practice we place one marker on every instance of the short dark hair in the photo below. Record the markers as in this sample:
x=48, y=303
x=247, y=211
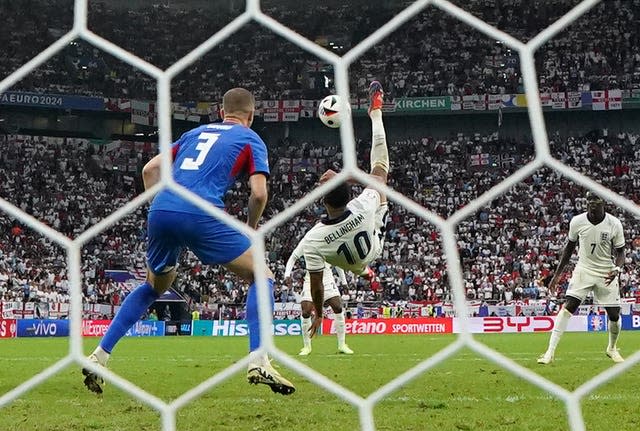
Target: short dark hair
x=238, y=101
x=338, y=197
x=591, y=196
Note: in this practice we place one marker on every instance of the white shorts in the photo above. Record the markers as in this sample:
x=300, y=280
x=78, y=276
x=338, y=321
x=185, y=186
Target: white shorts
x=582, y=283
x=330, y=291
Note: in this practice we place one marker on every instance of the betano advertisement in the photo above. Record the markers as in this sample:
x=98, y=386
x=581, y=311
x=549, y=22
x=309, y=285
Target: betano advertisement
x=10, y=328
x=392, y=326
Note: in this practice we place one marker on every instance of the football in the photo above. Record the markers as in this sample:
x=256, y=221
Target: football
x=332, y=111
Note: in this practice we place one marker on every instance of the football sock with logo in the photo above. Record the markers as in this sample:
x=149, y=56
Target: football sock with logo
x=252, y=314
x=379, y=152
x=340, y=327
x=562, y=320
x=133, y=307
x=306, y=325
x=614, y=333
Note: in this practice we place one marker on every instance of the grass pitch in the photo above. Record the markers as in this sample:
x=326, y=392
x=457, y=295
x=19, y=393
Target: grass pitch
x=466, y=392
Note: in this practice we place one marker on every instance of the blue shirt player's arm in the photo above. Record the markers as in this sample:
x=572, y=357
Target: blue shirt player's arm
x=258, y=164
x=151, y=170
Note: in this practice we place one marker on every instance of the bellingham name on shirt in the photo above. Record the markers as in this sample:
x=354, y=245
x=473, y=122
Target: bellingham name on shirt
x=348, y=227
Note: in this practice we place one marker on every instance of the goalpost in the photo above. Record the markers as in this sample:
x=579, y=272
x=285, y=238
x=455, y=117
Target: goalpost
x=543, y=158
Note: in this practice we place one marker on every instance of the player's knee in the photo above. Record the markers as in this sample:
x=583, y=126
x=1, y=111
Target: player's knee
x=571, y=304
x=306, y=309
x=613, y=313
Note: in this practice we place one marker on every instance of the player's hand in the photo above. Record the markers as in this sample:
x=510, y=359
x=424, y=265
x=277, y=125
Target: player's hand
x=315, y=325
x=612, y=276
x=327, y=176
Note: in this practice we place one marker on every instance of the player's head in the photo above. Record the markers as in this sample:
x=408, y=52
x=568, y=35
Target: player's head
x=338, y=197
x=239, y=103
x=595, y=205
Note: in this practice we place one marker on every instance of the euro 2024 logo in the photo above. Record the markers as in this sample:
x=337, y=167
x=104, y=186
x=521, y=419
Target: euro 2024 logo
x=597, y=323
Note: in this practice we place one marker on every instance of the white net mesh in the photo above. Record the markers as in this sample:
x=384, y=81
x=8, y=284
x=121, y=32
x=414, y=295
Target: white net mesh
x=447, y=227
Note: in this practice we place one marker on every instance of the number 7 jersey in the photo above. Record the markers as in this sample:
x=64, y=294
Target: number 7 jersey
x=596, y=242
x=350, y=241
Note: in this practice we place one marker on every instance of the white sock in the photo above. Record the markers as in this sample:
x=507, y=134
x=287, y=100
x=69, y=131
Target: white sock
x=103, y=357
x=258, y=358
x=379, y=151
x=562, y=320
x=614, y=333
x=306, y=325
x=340, y=327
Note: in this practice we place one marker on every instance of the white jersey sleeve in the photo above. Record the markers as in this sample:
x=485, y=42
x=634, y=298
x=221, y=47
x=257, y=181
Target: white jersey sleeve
x=573, y=229
x=341, y=275
x=618, y=234
x=297, y=254
x=367, y=202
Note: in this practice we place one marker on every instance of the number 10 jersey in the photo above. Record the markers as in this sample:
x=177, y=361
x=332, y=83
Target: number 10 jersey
x=350, y=241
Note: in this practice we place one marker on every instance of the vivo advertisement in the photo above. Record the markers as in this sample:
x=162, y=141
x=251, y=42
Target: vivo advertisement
x=43, y=328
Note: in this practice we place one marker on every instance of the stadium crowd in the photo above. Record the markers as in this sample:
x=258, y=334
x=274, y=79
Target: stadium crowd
x=506, y=248
x=600, y=51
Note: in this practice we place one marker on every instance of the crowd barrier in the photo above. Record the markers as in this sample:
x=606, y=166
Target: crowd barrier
x=11, y=328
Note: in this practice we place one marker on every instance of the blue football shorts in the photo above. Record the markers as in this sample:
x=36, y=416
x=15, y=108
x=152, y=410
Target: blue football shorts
x=211, y=240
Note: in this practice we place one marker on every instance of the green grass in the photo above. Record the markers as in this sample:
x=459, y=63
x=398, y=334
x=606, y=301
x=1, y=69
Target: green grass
x=465, y=393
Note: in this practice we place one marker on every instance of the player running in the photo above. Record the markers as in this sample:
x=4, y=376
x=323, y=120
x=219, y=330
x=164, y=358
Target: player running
x=331, y=298
x=599, y=236
x=206, y=160
x=352, y=235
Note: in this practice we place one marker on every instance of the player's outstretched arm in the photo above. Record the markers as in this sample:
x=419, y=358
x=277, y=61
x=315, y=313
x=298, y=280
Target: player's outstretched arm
x=257, y=199
x=295, y=255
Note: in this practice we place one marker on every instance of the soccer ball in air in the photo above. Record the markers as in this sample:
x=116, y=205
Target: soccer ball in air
x=332, y=111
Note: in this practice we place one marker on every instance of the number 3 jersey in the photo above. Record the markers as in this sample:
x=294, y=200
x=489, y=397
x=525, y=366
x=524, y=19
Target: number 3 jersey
x=596, y=243
x=350, y=241
x=207, y=160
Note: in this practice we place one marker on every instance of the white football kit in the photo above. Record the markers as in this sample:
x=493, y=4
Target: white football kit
x=351, y=241
x=328, y=281
x=596, y=244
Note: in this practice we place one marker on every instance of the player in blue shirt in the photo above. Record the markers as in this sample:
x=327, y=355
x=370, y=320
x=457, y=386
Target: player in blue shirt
x=206, y=160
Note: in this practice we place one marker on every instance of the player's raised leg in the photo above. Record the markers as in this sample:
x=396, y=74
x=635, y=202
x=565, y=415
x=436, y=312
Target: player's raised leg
x=260, y=370
x=379, y=152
